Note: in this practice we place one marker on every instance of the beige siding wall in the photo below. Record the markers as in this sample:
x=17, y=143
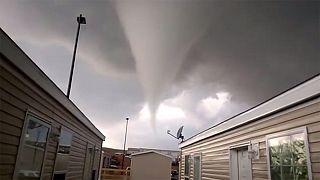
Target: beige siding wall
x=19, y=94
x=215, y=150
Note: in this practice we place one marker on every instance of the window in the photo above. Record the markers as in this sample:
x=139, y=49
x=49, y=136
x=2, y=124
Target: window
x=62, y=158
x=197, y=167
x=186, y=167
x=288, y=155
x=33, y=147
x=65, y=142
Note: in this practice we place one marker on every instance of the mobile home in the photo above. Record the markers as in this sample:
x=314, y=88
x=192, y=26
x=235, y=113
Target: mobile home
x=43, y=135
x=278, y=139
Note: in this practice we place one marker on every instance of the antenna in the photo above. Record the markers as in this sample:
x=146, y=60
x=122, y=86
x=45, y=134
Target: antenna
x=179, y=134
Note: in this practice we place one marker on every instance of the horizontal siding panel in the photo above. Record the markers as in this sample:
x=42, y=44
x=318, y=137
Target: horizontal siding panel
x=6, y=169
x=216, y=176
x=314, y=147
x=10, y=119
x=316, y=176
x=215, y=166
x=77, y=150
x=50, y=156
x=75, y=175
x=314, y=137
x=216, y=171
x=76, y=158
x=262, y=167
x=6, y=177
x=73, y=153
x=72, y=163
x=8, y=149
x=315, y=157
x=259, y=174
x=7, y=159
x=46, y=176
x=315, y=127
x=9, y=139
x=9, y=129
x=315, y=167
x=48, y=169
x=51, y=149
x=12, y=110
x=75, y=169
x=261, y=160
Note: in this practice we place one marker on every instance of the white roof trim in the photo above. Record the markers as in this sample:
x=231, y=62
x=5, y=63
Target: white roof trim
x=14, y=54
x=147, y=152
x=299, y=93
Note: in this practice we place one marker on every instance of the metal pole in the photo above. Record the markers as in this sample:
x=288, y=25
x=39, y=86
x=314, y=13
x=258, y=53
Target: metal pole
x=124, y=145
x=73, y=59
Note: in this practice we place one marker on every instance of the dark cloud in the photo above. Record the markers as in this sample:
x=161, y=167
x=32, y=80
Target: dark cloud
x=256, y=50
x=102, y=40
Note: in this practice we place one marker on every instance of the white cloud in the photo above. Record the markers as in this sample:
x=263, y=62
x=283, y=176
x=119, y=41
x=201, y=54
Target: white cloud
x=164, y=112
x=209, y=107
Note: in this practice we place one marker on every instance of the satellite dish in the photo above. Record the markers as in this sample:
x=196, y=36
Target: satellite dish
x=179, y=133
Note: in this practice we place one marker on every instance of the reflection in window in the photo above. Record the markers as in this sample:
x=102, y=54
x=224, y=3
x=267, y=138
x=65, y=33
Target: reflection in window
x=197, y=167
x=32, y=153
x=186, y=166
x=288, y=157
x=62, y=160
x=65, y=142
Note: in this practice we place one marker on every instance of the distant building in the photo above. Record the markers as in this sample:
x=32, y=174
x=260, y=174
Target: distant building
x=43, y=134
x=112, y=158
x=149, y=165
x=171, y=153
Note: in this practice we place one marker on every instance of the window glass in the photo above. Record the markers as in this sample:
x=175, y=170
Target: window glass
x=187, y=165
x=65, y=142
x=62, y=159
x=32, y=153
x=288, y=157
x=196, y=168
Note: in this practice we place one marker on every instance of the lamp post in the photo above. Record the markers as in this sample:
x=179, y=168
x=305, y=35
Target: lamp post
x=80, y=20
x=124, y=145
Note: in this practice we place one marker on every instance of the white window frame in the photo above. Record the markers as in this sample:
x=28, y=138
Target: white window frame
x=287, y=133
x=200, y=165
x=22, y=140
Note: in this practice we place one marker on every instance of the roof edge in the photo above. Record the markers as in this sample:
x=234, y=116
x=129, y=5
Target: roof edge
x=23, y=62
x=303, y=91
x=147, y=152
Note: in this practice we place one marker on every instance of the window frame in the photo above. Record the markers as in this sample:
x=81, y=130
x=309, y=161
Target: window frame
x=189, y=168
x=200, y=165
x=289, y=133
x=22, y=143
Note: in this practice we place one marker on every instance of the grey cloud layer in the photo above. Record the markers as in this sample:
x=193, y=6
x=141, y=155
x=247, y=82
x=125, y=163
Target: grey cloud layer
x=256, y=50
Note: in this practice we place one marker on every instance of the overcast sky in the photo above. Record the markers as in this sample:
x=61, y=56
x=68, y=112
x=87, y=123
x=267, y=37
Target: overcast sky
x=165, y=64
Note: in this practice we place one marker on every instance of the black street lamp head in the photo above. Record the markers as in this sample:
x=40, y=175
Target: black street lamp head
x=81, y=19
